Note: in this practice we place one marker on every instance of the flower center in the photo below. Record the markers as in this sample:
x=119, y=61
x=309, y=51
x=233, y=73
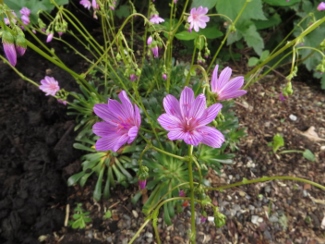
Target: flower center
x=189, y=124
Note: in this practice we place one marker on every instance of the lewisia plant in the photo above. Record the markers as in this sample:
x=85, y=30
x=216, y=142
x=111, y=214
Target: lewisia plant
x=143, y=118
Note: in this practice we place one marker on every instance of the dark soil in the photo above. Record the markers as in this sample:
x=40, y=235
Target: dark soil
x=37, y=157
x=36, y=138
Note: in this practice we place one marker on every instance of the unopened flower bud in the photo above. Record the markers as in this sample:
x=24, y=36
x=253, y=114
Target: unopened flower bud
x=21, y=45
x=49, y=37
x=149, y=40
x=8, y=42
x=142, y=184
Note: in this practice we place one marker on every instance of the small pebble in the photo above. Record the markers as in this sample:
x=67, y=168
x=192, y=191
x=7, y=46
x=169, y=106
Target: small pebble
x=293, y=117
x=135, y=214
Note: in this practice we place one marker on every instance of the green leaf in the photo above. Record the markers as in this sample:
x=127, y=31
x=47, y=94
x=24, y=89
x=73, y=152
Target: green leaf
x=123, y=11
x=265, y=54
x=252, y=61
x=73, y=179
x=97, y=194
x=277, y=142
x=80, y=146
x=209, y=33
x=281, y=3
x=251, y=36
x=309, y=155
x=108, y=214
x=274, y=20
x=253, y=10
x=204, y=3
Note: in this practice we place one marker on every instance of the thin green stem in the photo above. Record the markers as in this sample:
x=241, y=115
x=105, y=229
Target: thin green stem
x=281, y=50
x=291, y=151
x=263, y=179
x=226, y=36
x=139, y=231
x=190, y=175
x=168, y=153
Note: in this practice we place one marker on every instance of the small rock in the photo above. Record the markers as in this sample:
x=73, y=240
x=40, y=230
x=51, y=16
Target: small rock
x=267, y=235
x=293, y=117
x=210, y=218
x=267, y=189
x=256, y=219
x=148, y=235
x=135, y=214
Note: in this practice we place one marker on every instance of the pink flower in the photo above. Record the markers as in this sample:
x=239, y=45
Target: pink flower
x=49, y=85
x=225, y=88
x=6, y=20
x=49, y=37
x=121, y=123
x=181, y=193
x=321, y=6
x=133, y=77
x=198, y=18
x=155, y=19
x=164, y=76
x=25, y=19
x=94, y=5
x=85, y=3
x=25, y=11
x=187, y=119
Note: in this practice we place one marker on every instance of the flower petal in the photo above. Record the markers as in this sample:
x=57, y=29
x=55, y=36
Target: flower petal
x=194, y=138
x=185, y=101
x=132, y=133
x=198, y=107
x=224, y=78
x=212, y=137
x=103, y=129
x=210, y=114
x=101, y=110
x=127, y=107
x=176, y=135
x=171, y=106
x=169, y=122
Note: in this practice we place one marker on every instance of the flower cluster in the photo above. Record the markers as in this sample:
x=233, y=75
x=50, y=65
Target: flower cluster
x=14, y=42
x=186, y=119
x=153, y=46
x=25, y=12
x=13, y=46
x=94, y=5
